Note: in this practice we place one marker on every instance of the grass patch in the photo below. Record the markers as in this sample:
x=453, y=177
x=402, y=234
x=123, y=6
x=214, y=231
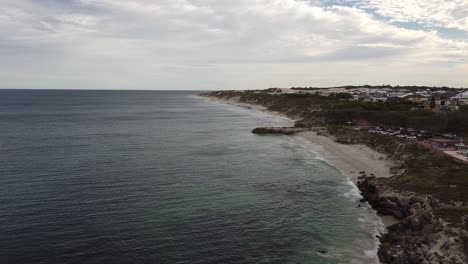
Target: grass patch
x=435, y=173
x=427, y=171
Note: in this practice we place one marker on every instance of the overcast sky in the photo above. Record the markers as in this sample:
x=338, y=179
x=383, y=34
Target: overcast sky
x=231, y=44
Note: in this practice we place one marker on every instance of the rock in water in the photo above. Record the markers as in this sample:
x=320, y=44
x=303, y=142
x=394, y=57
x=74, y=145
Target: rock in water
x=322, y=251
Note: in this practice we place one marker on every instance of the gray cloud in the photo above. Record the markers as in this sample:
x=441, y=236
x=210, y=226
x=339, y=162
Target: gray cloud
x=182, y=44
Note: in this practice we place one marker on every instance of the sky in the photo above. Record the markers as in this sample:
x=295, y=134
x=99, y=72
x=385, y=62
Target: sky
x=231, y=44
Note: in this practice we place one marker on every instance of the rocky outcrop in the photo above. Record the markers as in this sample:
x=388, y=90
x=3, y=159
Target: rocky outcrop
x=387, y=201
x=421, y=237
x=279, y=130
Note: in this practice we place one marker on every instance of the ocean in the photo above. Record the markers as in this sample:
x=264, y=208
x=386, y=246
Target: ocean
x=167, y=177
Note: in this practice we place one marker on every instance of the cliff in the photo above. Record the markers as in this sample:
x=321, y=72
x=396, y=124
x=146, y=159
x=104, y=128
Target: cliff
x=425, y=233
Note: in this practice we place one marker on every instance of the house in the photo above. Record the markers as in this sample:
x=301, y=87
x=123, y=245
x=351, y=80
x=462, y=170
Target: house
x=448, y=105
x=417, y=98
x=394, y=99
x=461, y=98
x=365, y=97
x=379, y=99
x=448, y=95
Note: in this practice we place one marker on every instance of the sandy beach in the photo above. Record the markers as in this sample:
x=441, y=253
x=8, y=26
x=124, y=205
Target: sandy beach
x=351, y=159
x=235, y=101
x=255, y=107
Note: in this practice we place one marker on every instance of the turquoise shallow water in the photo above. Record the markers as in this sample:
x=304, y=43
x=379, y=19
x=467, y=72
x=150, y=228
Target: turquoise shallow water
x=166, y=177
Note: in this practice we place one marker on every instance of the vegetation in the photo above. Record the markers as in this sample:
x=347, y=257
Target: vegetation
x=435, y=173
x=426, y=171
x=412, y=88
x=338, y=110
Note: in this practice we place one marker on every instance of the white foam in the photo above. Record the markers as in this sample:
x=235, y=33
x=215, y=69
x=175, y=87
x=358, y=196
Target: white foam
x=353, y=192
x=369, y=222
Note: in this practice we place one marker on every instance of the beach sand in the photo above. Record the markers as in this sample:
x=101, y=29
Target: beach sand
x=388, y=220
x=235, y=101
x=351, y=159
x=255, y=107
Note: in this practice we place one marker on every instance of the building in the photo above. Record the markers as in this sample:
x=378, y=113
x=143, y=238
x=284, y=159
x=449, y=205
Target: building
x=448, y=105
x=417, y=98
x=462, y=98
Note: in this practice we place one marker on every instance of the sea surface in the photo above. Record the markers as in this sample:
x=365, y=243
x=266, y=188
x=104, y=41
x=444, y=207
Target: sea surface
x=166, y=177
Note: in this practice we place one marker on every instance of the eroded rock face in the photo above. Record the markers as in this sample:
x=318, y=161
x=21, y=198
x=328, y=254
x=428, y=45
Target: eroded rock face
x=420, y=237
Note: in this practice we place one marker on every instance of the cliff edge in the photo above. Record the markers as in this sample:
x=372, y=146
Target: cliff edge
x=425, y=233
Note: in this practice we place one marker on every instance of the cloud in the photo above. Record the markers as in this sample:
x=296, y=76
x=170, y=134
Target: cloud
x=150, y=44
x=439, y=13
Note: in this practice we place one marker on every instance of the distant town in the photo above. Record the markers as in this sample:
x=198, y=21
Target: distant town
x=431, y=99
x=427, y=98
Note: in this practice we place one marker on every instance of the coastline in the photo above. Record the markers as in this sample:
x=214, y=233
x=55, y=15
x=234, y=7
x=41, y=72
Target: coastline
x=254, y=107
x=350, y=159
x=420, y=226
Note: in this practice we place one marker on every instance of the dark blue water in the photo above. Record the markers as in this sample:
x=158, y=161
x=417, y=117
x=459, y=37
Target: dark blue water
x=165, y=177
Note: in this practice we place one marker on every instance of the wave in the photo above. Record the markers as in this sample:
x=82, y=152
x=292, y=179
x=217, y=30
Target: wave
x=368, y=219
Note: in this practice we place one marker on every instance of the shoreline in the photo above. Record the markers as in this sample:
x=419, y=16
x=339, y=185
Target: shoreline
x=346, y=161
x=254, y=107
x=419, y=227
x=350, y=159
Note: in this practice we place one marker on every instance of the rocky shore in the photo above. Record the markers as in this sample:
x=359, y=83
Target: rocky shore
x=279, y=130
x=425, y=234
